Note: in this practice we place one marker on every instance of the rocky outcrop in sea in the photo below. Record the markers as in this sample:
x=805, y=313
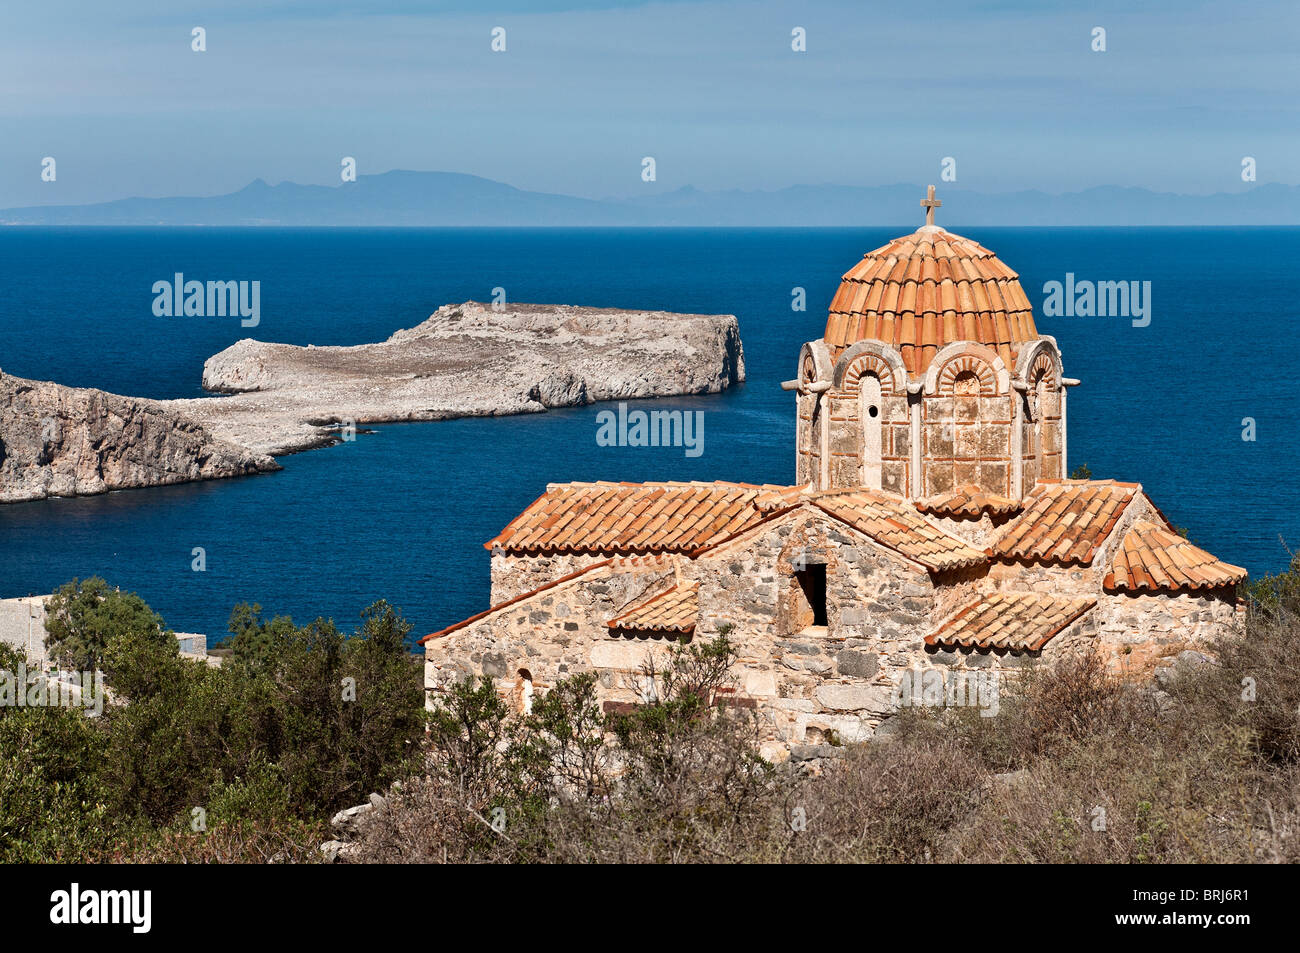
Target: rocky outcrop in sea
x=70, y=441
x=466, y=360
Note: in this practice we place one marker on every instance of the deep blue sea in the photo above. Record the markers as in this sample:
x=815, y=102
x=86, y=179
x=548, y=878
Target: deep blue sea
x=402, y=513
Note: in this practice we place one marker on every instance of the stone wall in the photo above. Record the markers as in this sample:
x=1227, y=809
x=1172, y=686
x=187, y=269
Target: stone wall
x=966, y=440
x=852, y=463
x=551, y=635
x=809, y=684
x=513, y=574
x=808, y=439
x=1041, y=435
x=22, y=626
x=1134, y=630
x=814, y=682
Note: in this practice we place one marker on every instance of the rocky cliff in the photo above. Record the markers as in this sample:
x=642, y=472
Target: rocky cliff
x=465, y=360
x=67, y=441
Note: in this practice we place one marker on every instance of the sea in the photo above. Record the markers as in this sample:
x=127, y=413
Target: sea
x=1197, y=404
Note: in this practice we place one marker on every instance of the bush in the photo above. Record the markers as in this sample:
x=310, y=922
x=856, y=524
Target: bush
x=890, y=803
x=81, y=618
x=678, y=778
x=305, y=722
x=54, y=805
x=1078, y=766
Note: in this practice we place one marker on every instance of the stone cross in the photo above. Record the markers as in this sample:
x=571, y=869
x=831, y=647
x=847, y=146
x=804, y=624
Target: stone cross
x=930, y=203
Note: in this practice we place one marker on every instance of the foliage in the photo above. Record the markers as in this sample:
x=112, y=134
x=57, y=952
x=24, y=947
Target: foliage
x=1078, y=766
x=301, y=722
x=53, y=804
x=81, y=617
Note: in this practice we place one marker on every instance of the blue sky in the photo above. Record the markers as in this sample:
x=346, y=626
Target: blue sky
x=587, y=88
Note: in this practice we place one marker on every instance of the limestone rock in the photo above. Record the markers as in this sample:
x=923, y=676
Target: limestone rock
x=337, y=851
x=877, y=699
x=67, y=441
x=814, y=752
x=466, y=360
x=349, y=821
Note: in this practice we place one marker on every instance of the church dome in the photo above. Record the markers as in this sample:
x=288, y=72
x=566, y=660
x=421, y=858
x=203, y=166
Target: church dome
x=928, y=289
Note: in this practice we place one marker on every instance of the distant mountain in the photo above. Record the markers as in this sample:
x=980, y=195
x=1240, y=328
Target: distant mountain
x=449, y=198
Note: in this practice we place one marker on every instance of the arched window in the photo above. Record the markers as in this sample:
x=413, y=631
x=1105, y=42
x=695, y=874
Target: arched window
x=1042, y=378
x=870, y=415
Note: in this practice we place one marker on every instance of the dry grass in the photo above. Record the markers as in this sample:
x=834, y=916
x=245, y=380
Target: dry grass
x=1078, y=766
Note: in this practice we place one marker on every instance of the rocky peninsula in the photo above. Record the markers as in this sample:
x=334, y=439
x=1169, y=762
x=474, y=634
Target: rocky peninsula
x=71, y=441
x=466, y=360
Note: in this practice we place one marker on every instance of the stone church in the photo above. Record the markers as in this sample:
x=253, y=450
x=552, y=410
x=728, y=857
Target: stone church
x=931, y=529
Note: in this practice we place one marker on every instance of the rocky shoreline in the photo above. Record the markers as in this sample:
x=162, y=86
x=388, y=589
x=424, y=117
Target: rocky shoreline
x=71, y=441
x=466, y=360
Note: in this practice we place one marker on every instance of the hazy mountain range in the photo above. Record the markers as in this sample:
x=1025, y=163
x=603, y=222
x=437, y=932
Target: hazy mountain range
x=449, y=198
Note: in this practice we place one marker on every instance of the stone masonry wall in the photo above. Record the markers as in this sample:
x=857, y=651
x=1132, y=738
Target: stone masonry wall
x=966, y=440
x=848, y=440
x=513, y=574
x=810, y=685
x=551, y=635
x=1136, y=629
x=814, y=683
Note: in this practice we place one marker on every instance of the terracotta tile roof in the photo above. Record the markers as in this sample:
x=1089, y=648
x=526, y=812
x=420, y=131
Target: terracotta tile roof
x=1155, y=557
x=671, y=611
x=689, y=518
x=603, y=567
x=925, y=290
x=1064, y=521
x=638, y=517
x=897, y=525
x=1019, y=621
x=968, y=501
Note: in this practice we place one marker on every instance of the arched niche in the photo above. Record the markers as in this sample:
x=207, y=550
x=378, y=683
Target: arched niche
x=815, y=364
x=959, y=360
x=870, y=357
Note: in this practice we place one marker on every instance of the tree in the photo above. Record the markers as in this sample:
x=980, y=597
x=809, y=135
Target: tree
x=253, y=637
x=81, y=618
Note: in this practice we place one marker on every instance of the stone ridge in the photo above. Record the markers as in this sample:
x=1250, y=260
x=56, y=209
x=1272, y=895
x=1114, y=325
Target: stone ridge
x=67, y=441
x=465, y=360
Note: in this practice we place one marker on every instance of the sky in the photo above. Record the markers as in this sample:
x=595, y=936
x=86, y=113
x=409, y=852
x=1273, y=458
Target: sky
x=586, y=89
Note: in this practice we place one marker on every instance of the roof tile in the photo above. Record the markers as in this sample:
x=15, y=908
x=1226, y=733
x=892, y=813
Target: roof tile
x=1016, y=621
x=897, y=525
x=1064, y=521
x=673, y=610
x=968, y=502
x=1153, y=557
x=637, y=517
x=972, y=283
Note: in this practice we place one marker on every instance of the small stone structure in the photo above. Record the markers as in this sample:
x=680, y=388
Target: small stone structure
x=931, y=538
x=22, y=627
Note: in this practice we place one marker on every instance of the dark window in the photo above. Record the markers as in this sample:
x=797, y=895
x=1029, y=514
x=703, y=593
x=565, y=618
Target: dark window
x=812, y=581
